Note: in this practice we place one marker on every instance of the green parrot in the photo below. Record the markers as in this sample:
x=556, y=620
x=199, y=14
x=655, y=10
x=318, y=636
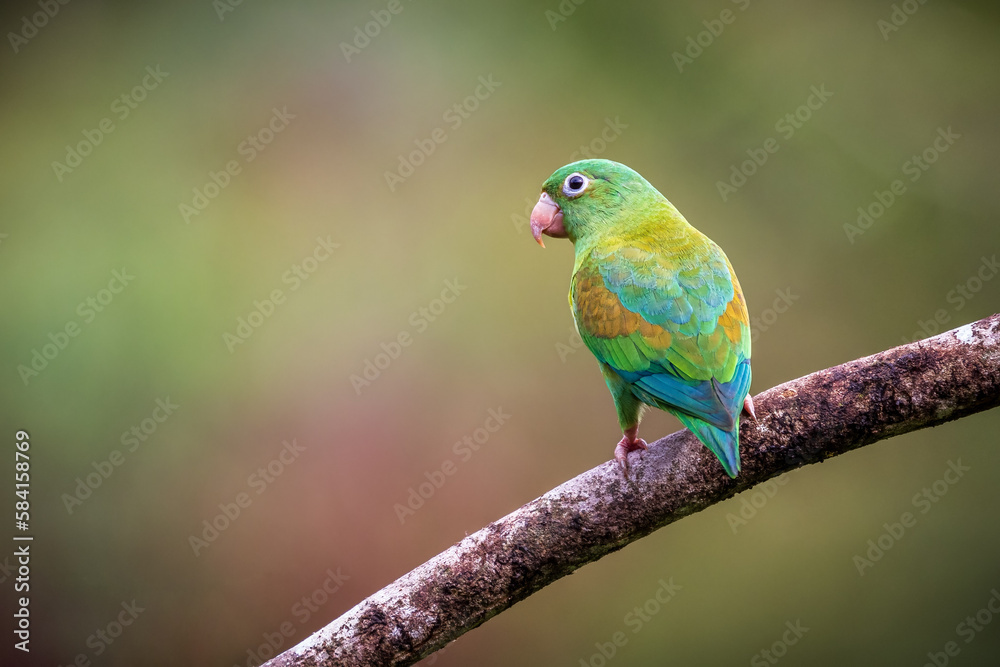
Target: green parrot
x=656, y=301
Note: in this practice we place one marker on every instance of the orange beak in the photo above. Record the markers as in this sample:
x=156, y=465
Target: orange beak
x=547, y=218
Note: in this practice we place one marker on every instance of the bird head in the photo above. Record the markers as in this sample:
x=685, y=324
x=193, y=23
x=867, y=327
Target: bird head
x=586, y=196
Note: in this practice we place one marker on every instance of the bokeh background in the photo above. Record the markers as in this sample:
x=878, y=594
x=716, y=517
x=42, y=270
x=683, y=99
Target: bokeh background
x=562, y=75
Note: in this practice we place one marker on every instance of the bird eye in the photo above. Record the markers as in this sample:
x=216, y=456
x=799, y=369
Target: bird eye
x=575, y=184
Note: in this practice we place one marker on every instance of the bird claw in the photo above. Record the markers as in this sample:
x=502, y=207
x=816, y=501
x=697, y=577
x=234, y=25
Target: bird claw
x=626, y=445
x=748, y=407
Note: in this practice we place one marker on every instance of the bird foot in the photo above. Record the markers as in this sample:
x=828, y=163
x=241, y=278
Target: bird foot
x=625, y=445
x=748, y=407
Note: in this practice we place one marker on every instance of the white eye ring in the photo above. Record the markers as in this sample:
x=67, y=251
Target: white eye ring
x=575, y=184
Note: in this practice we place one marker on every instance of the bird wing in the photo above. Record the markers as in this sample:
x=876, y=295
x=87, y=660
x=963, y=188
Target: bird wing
x=670, y=318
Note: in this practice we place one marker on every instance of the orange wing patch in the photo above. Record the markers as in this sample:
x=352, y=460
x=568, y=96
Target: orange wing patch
x=602, y=314
x=736, y=316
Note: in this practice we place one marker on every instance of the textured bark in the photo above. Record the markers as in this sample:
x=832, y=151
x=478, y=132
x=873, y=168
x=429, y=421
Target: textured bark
x=803, y=421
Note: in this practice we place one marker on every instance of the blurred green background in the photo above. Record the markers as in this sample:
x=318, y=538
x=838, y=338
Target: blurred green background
x=347, y=115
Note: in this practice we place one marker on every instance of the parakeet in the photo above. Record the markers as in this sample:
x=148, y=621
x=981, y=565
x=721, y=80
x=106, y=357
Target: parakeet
x=655, y=300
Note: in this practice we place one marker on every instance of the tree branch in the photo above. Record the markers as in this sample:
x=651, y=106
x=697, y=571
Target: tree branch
x=804, y=421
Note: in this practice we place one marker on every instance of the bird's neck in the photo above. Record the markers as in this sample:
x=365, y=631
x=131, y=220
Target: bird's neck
x=657, y=222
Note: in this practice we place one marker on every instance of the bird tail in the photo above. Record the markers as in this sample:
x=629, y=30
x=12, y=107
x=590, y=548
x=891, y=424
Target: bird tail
x=724, y=444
